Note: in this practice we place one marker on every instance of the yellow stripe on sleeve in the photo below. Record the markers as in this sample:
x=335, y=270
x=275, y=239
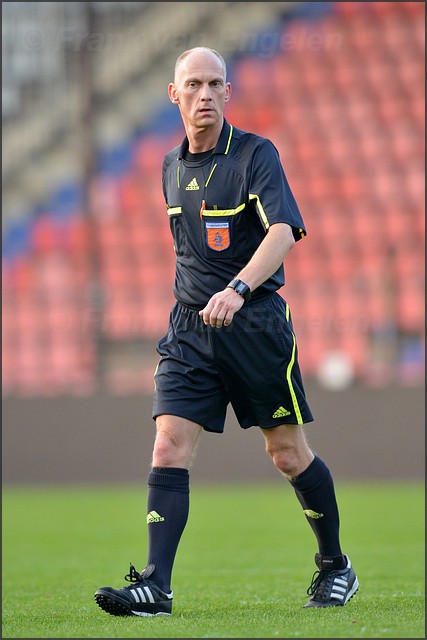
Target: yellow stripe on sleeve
x=261, y=212
x=174, y=210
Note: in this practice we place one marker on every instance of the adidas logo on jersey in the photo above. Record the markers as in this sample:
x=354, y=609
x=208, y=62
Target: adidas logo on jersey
x=192, y=186
x=281, y=413
x=153, y=516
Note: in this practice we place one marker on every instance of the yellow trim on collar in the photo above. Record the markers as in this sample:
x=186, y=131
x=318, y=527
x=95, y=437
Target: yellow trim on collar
x=210, y=175
x=229, y=139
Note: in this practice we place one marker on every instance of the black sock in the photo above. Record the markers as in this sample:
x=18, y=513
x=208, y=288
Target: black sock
x=314, y=488
x=168, y=506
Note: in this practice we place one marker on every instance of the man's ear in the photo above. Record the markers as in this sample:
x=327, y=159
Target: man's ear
x=172, y=93
x=227, y=92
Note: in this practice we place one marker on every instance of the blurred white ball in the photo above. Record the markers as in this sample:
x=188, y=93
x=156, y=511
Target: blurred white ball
x=335, y=371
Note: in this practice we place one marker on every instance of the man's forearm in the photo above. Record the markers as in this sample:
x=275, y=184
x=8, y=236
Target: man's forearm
x=266, y=260
x=269, y=256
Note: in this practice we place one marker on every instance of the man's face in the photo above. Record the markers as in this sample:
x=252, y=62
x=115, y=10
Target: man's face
x=200, y=90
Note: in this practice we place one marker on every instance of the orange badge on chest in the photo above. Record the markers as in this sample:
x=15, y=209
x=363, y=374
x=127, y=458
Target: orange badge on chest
x=218, y=235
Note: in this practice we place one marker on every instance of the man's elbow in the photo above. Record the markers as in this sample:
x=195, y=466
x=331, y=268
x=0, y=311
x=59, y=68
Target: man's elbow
x=291, y=239
x=283, y=238
x=288, y=236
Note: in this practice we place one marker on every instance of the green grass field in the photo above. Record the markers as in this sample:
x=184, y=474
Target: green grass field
x=242, y=569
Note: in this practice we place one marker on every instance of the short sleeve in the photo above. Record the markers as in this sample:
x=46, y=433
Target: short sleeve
x=270, y=192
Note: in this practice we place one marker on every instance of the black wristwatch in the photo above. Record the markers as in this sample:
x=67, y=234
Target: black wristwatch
x=241, y=288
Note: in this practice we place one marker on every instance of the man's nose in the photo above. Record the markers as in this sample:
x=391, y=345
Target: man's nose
x=206, y=92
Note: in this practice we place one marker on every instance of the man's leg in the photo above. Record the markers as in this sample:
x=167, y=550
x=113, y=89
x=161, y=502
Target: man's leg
x=314, y=487
x=149, y=593
x=311, y=481
x=168, y=492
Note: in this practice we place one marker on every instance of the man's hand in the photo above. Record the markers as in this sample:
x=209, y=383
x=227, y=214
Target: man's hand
x=221, y=308
x=264, y=262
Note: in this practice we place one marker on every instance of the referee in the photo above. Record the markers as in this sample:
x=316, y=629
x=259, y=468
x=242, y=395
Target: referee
x=230, y=338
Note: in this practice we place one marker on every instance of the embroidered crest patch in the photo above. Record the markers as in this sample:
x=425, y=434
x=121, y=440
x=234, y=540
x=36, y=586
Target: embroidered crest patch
x=218, y=235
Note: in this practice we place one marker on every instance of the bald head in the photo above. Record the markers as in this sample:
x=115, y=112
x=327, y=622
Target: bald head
x=202, y=52
x=200, y=91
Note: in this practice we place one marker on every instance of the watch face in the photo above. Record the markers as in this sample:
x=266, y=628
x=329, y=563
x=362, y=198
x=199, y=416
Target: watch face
x=241, y=288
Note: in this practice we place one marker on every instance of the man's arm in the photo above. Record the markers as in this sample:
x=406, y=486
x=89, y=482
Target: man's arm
x=265, y=261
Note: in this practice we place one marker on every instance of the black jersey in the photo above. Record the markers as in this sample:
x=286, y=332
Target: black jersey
x=220, y=209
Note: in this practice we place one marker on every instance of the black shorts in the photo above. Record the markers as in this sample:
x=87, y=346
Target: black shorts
x=252, y=364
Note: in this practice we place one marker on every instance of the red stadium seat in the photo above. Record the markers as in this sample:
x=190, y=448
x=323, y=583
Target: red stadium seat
x=149, y=153
x=411, y=308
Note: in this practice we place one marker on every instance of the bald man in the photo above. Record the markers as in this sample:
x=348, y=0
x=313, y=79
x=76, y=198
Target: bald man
x=230, y=339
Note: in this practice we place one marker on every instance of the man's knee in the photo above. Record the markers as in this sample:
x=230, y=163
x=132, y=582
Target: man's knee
x=175, y=442
x=165, y=449
x=285, y=459
x=288, y=450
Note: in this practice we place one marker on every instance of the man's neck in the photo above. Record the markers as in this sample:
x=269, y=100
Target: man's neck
x=200, y=140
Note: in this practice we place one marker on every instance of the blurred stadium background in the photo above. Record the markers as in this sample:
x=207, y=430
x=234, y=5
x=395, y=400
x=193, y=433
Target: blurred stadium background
x=88, y=263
